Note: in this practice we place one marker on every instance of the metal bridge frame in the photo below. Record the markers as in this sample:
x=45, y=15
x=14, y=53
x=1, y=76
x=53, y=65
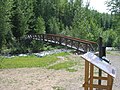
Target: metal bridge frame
x=75, y=43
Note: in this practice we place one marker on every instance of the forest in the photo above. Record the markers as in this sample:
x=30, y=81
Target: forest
x=72, y=18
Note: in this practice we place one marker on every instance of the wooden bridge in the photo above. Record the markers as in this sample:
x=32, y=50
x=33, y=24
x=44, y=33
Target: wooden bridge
x=75, y=43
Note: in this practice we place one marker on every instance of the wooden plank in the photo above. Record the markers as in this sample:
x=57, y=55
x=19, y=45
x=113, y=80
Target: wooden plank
x=101, y=78
x=91, y=76
x=86, y=74
x=109, y=82
x=97, y=86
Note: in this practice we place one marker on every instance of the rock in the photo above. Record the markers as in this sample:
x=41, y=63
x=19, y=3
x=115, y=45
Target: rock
x=44, y=53
x=22, y=55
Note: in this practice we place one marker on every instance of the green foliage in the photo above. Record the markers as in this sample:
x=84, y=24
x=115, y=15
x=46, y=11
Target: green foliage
x=40, y=26
x=22, y=17
x=109, y=37
x=117, y=42
x=36, y=45
x=54, y=25
x=29, y=61
x=114, y=7
x=5, y=25
x=58, y=88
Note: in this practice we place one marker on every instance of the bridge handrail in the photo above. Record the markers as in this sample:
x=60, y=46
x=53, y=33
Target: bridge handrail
x=77, y=39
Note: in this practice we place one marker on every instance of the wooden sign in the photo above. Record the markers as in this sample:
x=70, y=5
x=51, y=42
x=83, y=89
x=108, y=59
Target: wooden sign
x=95, y=60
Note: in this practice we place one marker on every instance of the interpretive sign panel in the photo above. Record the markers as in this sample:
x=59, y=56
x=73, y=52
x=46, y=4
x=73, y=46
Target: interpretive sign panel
x=95, y=60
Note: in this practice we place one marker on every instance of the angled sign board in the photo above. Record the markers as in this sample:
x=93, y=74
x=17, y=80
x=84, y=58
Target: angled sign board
x=95, y=60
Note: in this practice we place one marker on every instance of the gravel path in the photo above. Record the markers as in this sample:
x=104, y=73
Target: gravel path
x=115, y=61
x=46, y=79
x=39, y=79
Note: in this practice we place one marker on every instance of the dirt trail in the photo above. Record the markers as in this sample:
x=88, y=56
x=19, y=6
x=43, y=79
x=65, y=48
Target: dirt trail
x=44, y=79
x=115, y=61
x=39, y=79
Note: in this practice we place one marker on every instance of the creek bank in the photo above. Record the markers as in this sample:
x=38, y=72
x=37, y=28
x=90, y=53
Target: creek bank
x=39, y=54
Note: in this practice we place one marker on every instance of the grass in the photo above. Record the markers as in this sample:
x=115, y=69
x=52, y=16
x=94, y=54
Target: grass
x=58, y=88
x=65, y=65
x=30, y=61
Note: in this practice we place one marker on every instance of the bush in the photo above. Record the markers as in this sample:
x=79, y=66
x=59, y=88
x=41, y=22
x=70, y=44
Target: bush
x=116, y=42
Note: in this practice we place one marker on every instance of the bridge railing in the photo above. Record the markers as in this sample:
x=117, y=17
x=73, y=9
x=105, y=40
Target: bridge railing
x=75, y=43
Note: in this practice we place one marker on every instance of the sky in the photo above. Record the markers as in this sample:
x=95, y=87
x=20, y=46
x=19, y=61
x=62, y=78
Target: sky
x=98, y=5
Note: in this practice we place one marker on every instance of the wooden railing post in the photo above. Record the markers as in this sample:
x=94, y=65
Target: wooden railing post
x=71, y=43
x=60, y=40
x=86, y=48
x=66, y=42
x=55, y=40
x=78, y=46
x=43, y=37
x=40, y=37
x=51, y=38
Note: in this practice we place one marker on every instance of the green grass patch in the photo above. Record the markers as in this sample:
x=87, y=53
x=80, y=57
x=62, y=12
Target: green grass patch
x=30, y=61
x=71, y=70
x=58, y=88
x=108, y=52
x=65, y=65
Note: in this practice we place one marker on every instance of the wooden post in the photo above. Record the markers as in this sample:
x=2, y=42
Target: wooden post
x=71, y=43
x=55, y=39
x=60, y=40
x=91, y=76
x=86, y=48
x=109, y=82
x=100, y=55
x=66, y=42
x=86, y=75
x=103, y=51
x=78, y=46
x=43, y=37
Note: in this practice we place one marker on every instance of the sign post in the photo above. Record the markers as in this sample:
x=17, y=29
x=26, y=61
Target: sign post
x=100, y=55
x=92, y=61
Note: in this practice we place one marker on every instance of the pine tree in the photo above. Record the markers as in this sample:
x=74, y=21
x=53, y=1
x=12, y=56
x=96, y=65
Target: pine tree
x=114, y=7
x=5, y=22
x=22, y=17
x=54, y=26
x=80, y=22
x=40, y=26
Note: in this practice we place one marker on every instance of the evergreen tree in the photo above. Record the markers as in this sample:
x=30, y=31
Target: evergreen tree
x=54, y=25
x=5, y=22
x=22, y=17
x=80, y=22
x=40, y=26
x=114, y=7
